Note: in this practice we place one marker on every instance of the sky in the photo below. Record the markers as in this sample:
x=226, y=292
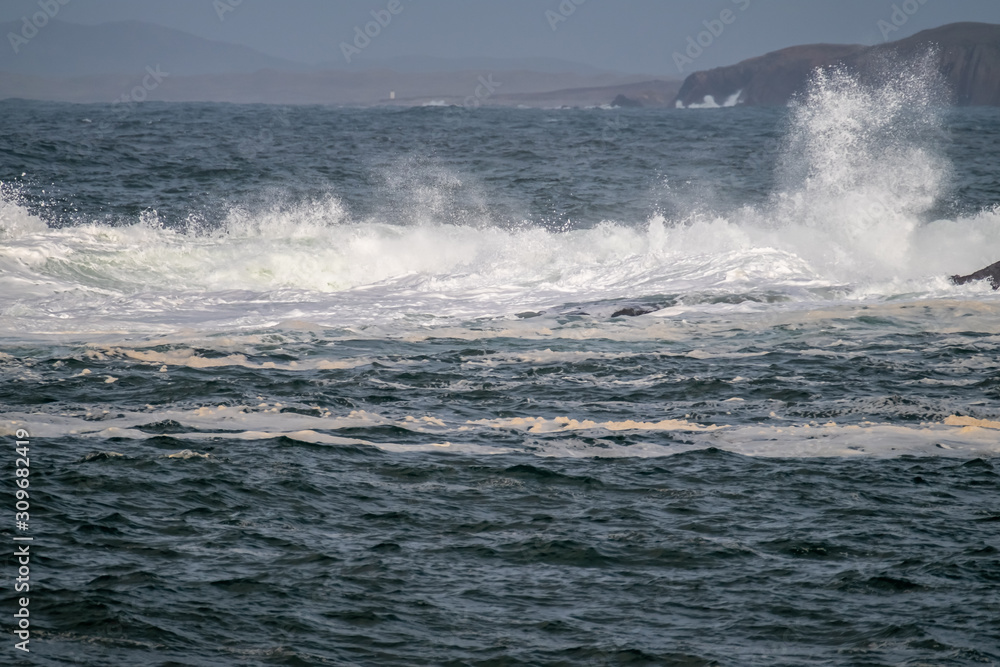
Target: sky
x=632, y=36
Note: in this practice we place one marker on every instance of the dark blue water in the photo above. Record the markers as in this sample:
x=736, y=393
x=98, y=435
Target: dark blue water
x=279, y=552
x=312, y=386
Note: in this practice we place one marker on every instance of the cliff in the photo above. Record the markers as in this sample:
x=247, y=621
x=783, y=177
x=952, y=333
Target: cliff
x=968, y=56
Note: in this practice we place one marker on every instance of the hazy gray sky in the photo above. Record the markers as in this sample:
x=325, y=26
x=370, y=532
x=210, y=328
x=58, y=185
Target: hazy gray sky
x=627, y=35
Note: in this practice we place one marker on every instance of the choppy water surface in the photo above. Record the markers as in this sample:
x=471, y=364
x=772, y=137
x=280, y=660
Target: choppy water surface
x=431, y=386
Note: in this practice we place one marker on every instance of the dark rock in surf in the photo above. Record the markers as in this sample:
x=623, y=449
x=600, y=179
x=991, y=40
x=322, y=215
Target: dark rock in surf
x=633, y=312
x=622, y=102
x=990, y=273
x=769, y=80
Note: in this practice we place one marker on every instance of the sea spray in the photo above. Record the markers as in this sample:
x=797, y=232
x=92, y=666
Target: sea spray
x=861, y=169
x=862, y=163
x=859, y=172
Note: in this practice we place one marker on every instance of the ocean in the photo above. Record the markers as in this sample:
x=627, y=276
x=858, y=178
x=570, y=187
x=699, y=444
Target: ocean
x=496, y=386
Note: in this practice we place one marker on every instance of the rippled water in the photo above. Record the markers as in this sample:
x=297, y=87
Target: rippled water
x=431, y=386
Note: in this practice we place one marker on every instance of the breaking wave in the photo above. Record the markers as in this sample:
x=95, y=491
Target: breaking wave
x=860, y=173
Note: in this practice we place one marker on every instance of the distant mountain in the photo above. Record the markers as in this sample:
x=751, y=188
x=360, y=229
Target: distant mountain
x=656, y=93
x=63, y=49
x=968, y=56
x=771, y=79
x=342, y=87
x=101, y=63
x=484, y=64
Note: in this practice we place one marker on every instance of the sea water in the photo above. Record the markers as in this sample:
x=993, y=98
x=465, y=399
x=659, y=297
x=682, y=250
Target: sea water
x=310, y=385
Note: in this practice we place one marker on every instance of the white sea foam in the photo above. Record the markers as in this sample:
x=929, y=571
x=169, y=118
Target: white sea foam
x=561, y=437
x=709, y=102
x=61, y=278
x=860, y=168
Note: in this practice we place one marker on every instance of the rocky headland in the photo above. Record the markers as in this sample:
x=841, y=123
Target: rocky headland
x=966, y=54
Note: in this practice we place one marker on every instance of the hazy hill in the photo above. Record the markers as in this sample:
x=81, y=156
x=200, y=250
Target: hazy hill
x=100, y=63
x=485, y=64
x=968, y=56
x=337, y=87
x=63, y=49
x=655, y=93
